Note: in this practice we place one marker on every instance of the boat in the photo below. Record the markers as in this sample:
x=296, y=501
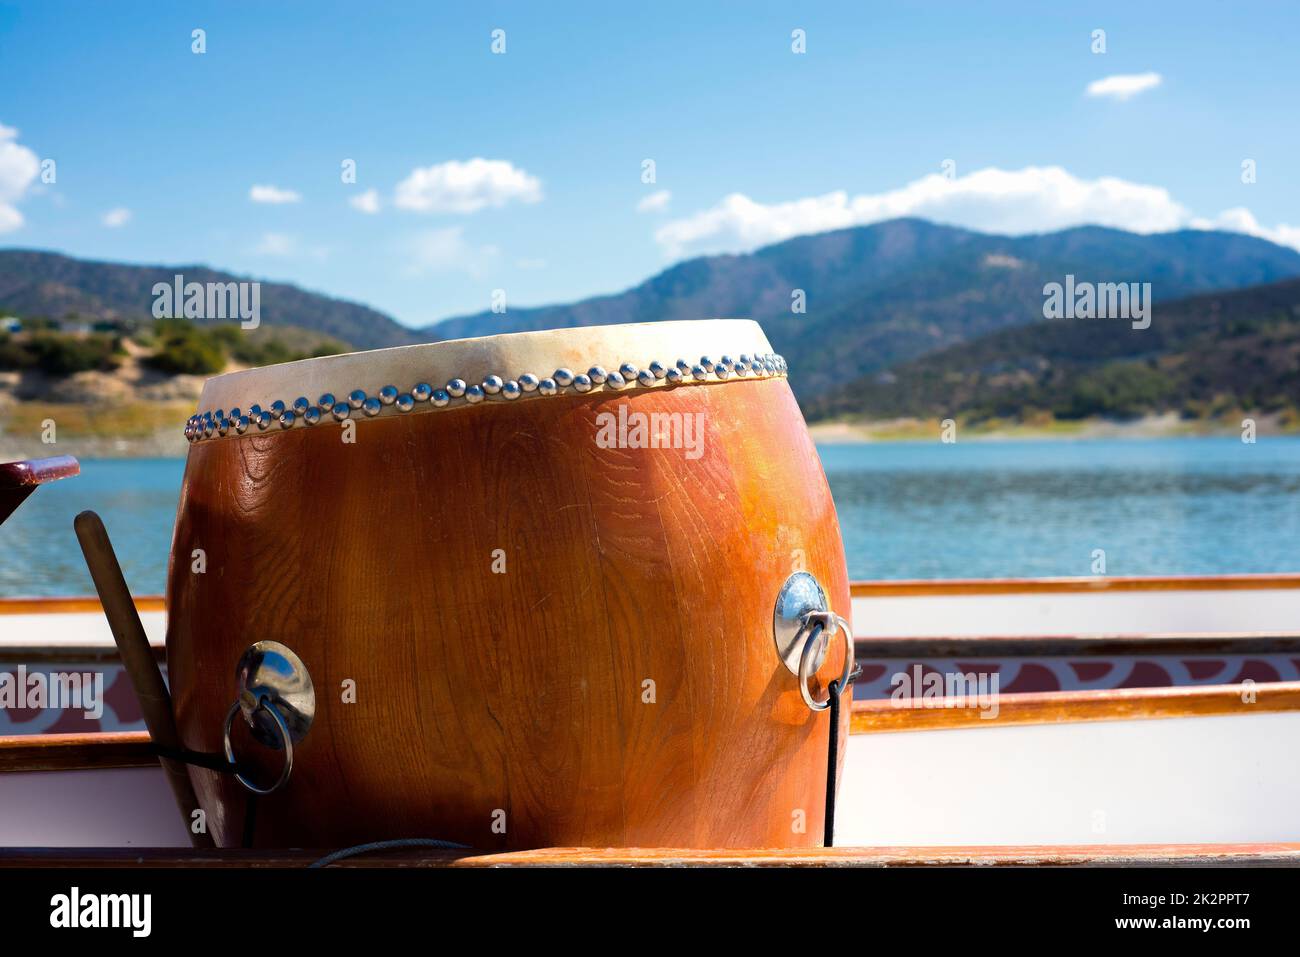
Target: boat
x=1138, y=720
x=1034, y=721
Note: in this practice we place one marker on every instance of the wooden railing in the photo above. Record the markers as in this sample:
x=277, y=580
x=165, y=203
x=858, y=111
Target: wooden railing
x=1086, y=855
x=73, y=605
x=76, y=752
x=920, y=587
x=68, y=752
x=970, y=647
x=1062, y=707
x=68, y=653
x=858, y=589
x=61, y=752
x=30, y=647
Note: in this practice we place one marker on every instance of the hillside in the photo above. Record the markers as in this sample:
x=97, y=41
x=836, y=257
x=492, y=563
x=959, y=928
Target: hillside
x=1201, y=356
x=882, y=294
x=36, y=283
x=122, y=392
x=876, y=295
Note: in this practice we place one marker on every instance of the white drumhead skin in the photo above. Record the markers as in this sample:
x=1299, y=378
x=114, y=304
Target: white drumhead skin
x=508, y=356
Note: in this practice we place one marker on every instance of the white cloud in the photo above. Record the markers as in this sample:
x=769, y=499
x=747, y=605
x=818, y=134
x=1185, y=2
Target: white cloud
x=1122, y=86
x=1029, y=200
x=446, y=250
x=287, y=245
x=1241, y=220
x=276, y=244
x=655, y=202
x=367, y=202
x=273, y=195
x=1006, y=201
x=18, y=169
x=456, y=187
x=117, y=217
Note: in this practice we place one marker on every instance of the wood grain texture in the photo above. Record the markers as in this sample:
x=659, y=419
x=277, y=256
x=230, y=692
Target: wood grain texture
x=1094, y=855
x=1063, y=707
x=76, y=752
x=519, y=692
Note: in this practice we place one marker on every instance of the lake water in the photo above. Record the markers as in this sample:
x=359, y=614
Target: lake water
x=907, y=510
x=1185, y=506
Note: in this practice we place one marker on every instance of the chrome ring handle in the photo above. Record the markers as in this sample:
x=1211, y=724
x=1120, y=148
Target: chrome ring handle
x=816, y=622
x=285, y=737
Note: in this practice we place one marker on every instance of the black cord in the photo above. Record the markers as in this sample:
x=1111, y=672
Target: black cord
x=213, y=762
x=218, y=763
x=250, y=819
x=384, y=846
x=833, y=749
x=832, y=759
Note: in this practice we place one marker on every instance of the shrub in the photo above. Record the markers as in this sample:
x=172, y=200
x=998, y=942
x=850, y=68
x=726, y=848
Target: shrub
x=13, y=356
x=1118, y=391
x=60, y=354
x=183, y=349
x=268, y=349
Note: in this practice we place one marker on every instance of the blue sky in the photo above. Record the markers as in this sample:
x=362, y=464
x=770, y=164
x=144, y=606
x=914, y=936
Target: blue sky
x=158, y=149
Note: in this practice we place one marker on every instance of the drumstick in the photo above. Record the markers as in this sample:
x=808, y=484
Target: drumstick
x=137, y=658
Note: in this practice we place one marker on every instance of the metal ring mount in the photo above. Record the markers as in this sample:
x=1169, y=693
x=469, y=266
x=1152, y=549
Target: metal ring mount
x=800, y=594
x=816, y=623
x=263, y=704
x=275, y=693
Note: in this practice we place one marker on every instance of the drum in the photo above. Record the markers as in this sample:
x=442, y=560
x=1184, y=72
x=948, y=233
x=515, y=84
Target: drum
x=571, y=587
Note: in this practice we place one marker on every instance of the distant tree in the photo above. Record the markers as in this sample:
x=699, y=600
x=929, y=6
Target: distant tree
x=265, y=348
x=14, y=356
x=328, y=348
x=181, y=348
x=60, y=354
x=1124, y=390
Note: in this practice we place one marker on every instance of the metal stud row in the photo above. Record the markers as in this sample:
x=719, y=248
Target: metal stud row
x=206, y=425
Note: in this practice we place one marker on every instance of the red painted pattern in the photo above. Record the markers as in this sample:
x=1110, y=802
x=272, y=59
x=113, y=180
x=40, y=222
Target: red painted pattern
x=1037, y=675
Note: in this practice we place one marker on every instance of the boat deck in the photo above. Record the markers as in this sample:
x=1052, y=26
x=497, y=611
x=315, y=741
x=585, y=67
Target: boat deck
x=1103, y=855
x=1131, y=727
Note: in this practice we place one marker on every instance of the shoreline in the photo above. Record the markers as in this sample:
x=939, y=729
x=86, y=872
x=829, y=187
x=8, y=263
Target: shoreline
x=1166, y=426
x=135, y=433
x=133, y=430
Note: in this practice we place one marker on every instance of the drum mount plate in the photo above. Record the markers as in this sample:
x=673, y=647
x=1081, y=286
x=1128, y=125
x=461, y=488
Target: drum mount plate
x=271, y=672
x=800, y=594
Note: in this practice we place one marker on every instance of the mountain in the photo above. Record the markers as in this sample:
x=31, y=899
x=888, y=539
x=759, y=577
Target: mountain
x=886, y=293
x=34, y=283
x=1203, y=355
x=876, y=295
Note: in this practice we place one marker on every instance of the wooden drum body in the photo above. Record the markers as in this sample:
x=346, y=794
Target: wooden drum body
x=526, y=624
